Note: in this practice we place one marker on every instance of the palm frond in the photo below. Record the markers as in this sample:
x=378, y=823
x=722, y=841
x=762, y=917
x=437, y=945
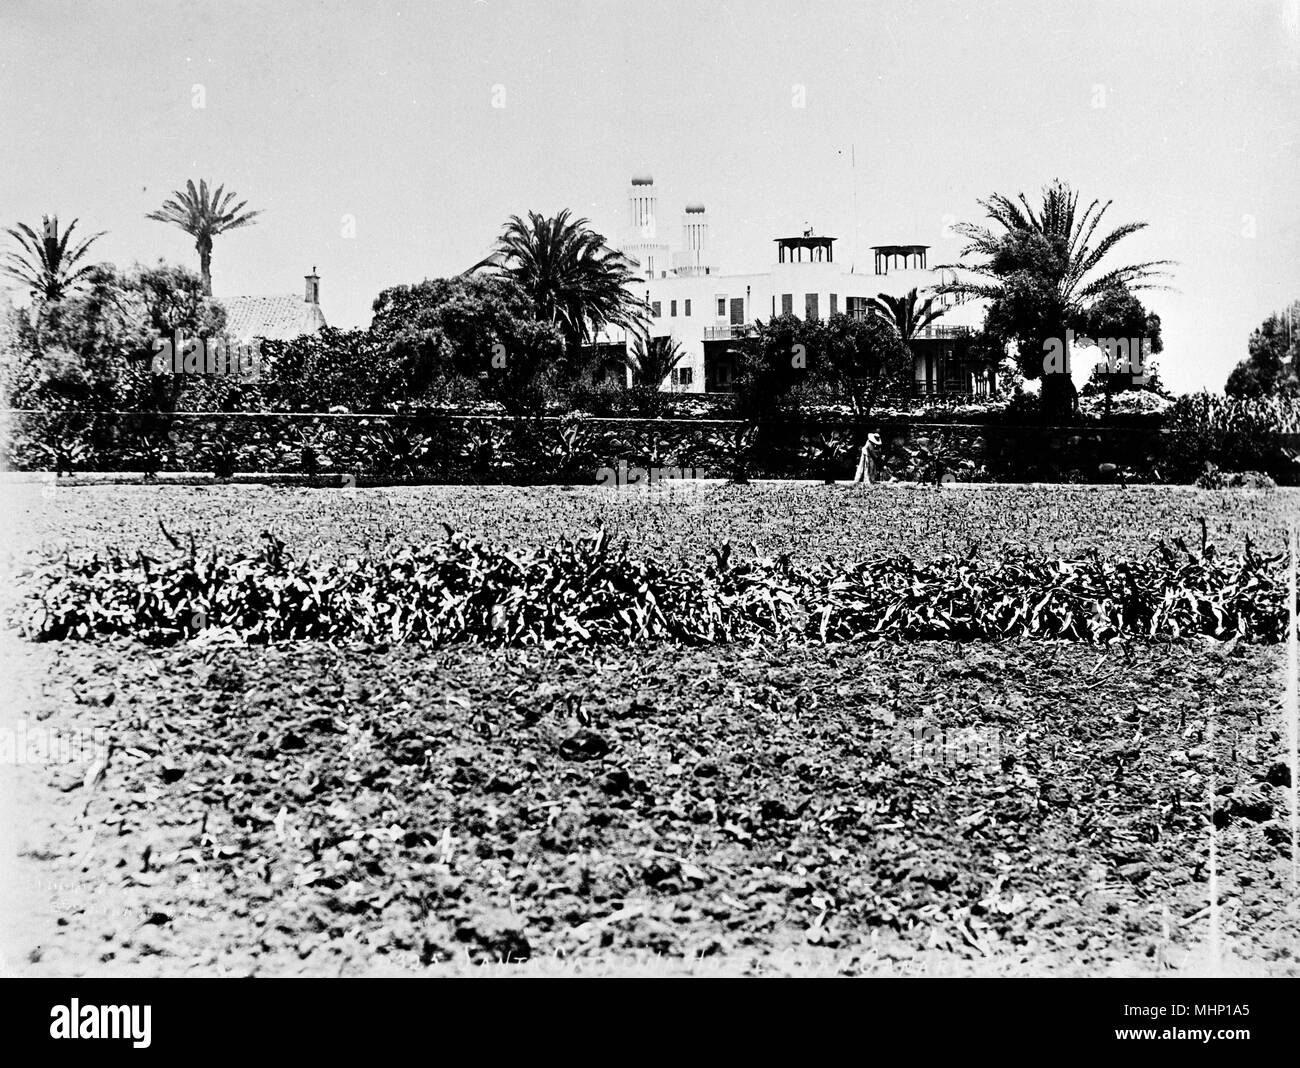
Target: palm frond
x=44, y=263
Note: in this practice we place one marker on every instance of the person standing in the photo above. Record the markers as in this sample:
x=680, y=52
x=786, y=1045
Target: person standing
x=869, y=460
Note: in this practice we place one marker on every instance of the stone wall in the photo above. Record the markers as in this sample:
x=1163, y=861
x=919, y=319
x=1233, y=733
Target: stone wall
x=442, y=448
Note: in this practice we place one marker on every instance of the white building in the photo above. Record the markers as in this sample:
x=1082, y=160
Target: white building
x=705, y=310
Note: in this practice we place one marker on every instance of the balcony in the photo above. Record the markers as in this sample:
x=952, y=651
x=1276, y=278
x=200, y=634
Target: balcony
x=729, y=332
x=926, y=332
x=933, y=331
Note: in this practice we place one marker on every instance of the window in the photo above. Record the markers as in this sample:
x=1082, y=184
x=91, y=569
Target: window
x=682, y=376
x=672, y=308
x=835, y=304
x=810, y=306
x=688, y=309
x=787, y=303
x=722, y=307
x=656, y=309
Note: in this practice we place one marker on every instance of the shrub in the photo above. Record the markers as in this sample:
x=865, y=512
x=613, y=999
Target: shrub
x=587, y=592
x=600, y=398
x=221, y=455
x=1213, y=478
x=397, y=450
x=1232, y=433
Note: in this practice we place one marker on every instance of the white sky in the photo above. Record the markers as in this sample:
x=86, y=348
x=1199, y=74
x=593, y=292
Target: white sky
x=383, y=111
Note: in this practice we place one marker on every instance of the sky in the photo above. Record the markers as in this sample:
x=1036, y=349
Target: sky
x=367, y=132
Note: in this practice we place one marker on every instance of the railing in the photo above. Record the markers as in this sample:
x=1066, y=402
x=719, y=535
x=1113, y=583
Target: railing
x=727, y=333
x=930, y=331
x=933, y=331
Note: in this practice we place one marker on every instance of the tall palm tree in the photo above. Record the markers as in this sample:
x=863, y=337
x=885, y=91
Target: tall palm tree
x=574, y=279
x=203, y=218
x=651, y=360
x=44, y=263
x=907, y=314
x=1040, y=271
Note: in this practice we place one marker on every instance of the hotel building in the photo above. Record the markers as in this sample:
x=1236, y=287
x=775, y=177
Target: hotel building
x=706, y=310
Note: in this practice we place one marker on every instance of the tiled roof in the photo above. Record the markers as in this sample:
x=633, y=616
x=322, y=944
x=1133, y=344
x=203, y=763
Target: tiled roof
x=280, y=317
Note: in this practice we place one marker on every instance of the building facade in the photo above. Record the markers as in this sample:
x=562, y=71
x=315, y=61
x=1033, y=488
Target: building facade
x=706, y=311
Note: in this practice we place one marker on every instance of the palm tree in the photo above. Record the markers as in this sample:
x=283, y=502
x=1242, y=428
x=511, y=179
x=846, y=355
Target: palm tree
x=574, y=279
x=203, y=218
x=45, y=264
x=906, y=314
x=651, y=360
x=1040, y=272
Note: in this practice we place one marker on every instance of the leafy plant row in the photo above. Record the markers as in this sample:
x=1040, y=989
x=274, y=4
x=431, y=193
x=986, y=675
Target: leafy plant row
x=569, y=450
x=590, y=592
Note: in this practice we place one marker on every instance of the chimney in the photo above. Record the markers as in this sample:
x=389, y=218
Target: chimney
x=313, y=288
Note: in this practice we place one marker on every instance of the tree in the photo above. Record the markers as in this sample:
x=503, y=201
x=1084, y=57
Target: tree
x=770, y=361
x=1272, y=366
x=574, y=279
x=908, y=315
x=1039, y=272
x=176, y=305
x=96, y=347
x=45, y=264
x=651, y=360
x=122, y=319
x=204, y=218
x=1120, y=324
x=316, y=372
x=866, y=356
x=483, y=330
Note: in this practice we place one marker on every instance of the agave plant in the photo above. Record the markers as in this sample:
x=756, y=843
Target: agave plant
x=311, y=449
x=221, y=454
x=66, y=453
x=150, y=456
x=934, y=457
x=735, y=449
x=826, y=453
x=397, y=451
x=568, y=448
x=482, y=448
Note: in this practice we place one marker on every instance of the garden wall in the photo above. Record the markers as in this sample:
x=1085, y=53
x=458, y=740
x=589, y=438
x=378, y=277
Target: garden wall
x=497, y=449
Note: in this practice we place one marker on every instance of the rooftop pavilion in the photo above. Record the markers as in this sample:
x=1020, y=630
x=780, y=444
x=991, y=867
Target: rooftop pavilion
x=887, y=256
x=820, y=249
